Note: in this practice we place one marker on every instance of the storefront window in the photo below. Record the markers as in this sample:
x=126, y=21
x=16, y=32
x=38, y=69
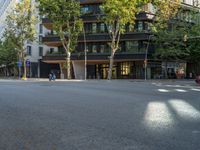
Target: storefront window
x=125, y=68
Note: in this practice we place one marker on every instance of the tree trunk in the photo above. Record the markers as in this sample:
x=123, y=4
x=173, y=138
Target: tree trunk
x=111, y=66
x=24, y=62
x=68, y=66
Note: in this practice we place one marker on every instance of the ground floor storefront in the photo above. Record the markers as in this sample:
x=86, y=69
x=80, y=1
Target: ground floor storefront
x=132, y=69
x=98, y=69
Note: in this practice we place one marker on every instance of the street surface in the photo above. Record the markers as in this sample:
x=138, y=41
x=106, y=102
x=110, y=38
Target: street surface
x=99, y=115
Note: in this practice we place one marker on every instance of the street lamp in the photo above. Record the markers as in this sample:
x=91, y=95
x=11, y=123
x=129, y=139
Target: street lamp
x=146, y=57
x=85, y=51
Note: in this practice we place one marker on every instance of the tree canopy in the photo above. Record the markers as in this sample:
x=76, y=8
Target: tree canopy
x=118, y=14
x=65, y=17
x=20, y=28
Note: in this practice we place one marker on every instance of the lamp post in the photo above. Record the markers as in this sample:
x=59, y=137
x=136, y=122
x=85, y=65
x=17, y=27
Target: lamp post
x=146, y=57
x=85, y=51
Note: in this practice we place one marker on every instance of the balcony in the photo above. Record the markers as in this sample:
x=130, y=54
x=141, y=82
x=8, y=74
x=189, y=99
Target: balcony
x=93, y=57
x=54, y=40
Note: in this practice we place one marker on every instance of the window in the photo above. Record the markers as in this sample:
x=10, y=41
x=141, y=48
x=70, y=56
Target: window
x=94, y=28
x=140, y=26
x=90, y=9
x=84, y=9
x=131, y=46
x=102, y=48
x=40, y=38
x=51, y=50
x=88, y=27
x=29, y=50
x=94, y=48
x=142, y=46
x=125, y=68
x=41, y=28
x=40, y=51
x=102, y=27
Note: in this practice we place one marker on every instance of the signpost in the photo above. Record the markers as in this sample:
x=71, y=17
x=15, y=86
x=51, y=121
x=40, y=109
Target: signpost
x=28, y=63
x=19, y=64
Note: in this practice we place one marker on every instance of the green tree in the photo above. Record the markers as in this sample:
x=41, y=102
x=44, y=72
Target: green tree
x=193, y=42
x=20, y=28
x=65, y=17
x=169, y=32
x=8, y=54
x=119, y=13
x=165, y=10
x=170, y=45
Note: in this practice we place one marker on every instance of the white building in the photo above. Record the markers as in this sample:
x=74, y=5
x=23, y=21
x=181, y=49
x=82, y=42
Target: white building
x=35, y=50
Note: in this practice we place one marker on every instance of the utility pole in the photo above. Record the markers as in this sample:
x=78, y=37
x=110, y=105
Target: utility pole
x=146, y=57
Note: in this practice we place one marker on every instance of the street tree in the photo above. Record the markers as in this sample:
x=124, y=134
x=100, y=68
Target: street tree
x=8, y=53
x=20, y=28
x=168, y=32
x=118, y=14
x=193, y=42
x=170, y=45
x=65, y=17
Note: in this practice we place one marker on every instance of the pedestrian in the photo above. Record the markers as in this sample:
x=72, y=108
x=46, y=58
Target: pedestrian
x=53, y=76
x=50, y=76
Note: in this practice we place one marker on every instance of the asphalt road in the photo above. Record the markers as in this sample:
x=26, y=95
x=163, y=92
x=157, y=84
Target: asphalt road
x=99, y=115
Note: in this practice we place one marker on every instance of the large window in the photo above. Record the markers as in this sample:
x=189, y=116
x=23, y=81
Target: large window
x=125, y=68
x=90, y=9
x=131, y=46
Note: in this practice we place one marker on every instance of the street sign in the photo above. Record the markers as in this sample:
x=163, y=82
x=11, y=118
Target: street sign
x=19, y=63
x=28, y=62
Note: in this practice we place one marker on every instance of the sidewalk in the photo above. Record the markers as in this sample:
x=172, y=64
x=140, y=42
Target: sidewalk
x=178, y=81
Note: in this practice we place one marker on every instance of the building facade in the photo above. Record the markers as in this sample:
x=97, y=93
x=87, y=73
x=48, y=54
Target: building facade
x=35, y=50
x=129, y=59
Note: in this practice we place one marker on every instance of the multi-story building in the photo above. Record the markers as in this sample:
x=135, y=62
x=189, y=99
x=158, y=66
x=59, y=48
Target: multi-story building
x=35, y=50
x=5, y=6
x=129, y=59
